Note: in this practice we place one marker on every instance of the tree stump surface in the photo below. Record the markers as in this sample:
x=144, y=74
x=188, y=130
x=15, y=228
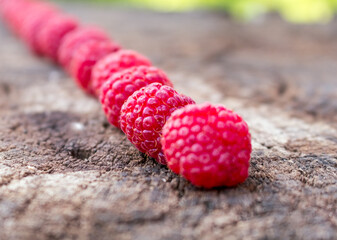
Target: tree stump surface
x=66, y=174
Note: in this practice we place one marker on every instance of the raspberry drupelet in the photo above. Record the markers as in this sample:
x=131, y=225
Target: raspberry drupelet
x=144, y=114
x=207, y=144
x=122, y=85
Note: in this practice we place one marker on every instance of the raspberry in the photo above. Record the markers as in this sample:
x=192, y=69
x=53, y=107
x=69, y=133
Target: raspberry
x=208, y=145
x=86, y=57
x=14, y=12
x=122, y=85
x=52, y=33
x=144, y=114
x=34, y=22
x=114, y=63
x=72, y=41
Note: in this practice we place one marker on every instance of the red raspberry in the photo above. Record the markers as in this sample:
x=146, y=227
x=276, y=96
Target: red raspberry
x=144, y=114
x=72, y=41
x=122, y=85
x=114, y=63
x=14, y=13
x=208, y=145
x=52, y=33
x=34, y=23
x=86, y=57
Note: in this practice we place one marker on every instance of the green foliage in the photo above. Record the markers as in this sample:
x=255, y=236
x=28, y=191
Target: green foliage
x=298, y=11
x=292, y=10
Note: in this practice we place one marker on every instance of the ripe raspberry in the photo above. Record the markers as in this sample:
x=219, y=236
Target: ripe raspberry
x=34, y=22
x=52, y=33
x=86, y=57
x=14, y=12
x=144, y=114
x=72, y=41
x=122, y=85
x=208, y=145
x=114, y=63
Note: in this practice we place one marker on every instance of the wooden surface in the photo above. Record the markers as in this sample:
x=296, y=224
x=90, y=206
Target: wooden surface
x=66, y=174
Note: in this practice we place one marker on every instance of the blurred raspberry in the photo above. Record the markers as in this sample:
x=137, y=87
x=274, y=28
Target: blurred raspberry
x=72, y=41
x=52, y=33
x=86, y=57
x=114, y=63
x=144, y=114
x=122, y=85
x=14, y=12
x=34, y=22
x=208, y=145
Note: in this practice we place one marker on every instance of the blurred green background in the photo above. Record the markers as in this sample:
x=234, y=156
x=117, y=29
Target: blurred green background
x=297, y=11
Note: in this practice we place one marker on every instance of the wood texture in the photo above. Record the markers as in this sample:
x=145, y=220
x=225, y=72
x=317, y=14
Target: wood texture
x=66, y=174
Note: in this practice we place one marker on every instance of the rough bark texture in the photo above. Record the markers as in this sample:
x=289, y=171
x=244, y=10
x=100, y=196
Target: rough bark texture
x=66, y=174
